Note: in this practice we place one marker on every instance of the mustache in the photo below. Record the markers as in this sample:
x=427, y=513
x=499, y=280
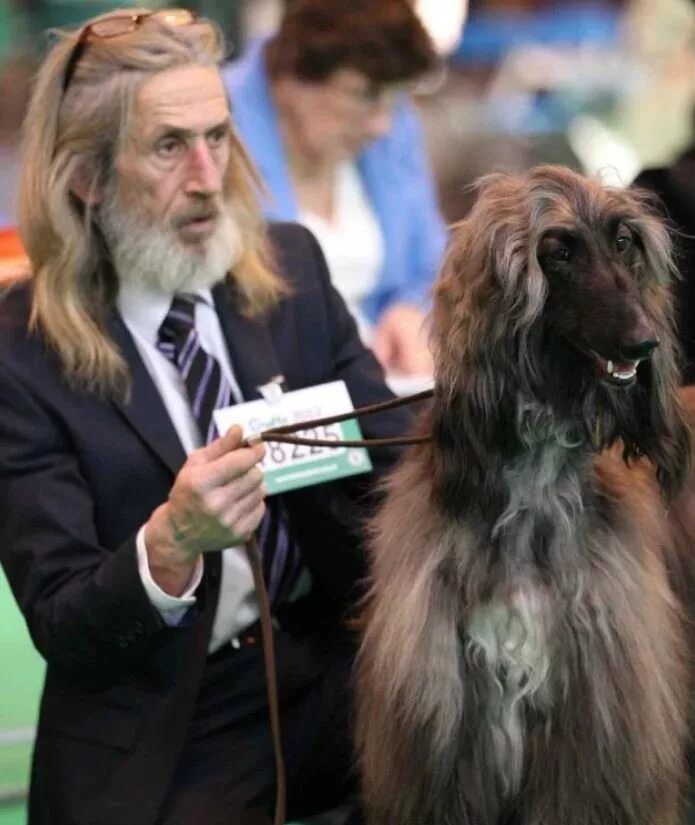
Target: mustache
x=198, y=212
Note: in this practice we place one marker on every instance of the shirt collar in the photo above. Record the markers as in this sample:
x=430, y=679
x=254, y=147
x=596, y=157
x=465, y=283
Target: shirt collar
x=143, y=308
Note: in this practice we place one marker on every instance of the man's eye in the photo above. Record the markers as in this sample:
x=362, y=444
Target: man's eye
x=623, y=242
x=217, y=137
x=168, y=147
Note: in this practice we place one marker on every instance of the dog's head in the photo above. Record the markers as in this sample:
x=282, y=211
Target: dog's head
x=555, y=291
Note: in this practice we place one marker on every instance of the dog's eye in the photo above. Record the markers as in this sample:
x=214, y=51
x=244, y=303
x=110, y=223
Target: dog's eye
x=623, y=242
x=559, y=254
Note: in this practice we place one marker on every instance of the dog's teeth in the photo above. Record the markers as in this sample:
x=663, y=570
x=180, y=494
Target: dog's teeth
x=609, y=367
x=625, y=375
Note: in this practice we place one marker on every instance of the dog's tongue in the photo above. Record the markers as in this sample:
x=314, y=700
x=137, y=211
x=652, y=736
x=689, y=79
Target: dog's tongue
x=621, y=368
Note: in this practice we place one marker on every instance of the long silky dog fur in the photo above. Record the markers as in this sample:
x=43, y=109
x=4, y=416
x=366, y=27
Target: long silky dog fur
x=527, y=650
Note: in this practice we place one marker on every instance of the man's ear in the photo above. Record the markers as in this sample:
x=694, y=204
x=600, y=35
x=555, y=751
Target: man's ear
x=85, y=186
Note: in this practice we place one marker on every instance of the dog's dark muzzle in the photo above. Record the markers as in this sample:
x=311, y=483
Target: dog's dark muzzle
x=639, y=351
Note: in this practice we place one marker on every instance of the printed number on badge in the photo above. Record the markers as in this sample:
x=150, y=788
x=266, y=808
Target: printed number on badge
x=277, y=454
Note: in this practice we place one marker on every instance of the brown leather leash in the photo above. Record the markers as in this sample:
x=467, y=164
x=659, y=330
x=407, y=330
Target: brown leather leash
x=282, y=435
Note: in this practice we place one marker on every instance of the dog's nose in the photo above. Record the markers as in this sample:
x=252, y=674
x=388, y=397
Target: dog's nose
x=638, y=351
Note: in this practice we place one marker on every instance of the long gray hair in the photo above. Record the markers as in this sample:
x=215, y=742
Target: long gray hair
x=80, y=133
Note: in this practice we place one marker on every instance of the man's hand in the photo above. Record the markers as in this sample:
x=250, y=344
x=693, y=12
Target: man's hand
x=217, y=501
x=400, y=341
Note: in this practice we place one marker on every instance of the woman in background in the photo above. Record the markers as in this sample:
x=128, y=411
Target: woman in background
x=323, y=109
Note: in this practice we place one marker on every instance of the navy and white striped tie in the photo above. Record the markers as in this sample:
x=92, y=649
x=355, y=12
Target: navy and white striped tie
x=206, y=386
x=208, y=390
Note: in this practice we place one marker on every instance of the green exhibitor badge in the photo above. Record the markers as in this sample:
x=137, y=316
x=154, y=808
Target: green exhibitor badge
x=291, y=466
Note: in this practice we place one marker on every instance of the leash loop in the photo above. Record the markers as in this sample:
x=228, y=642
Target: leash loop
x=281, y=434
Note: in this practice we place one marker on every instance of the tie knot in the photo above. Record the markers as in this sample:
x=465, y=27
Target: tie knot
x=179, y=320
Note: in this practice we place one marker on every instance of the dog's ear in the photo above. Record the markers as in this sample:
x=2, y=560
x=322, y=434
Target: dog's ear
x=491, y=283
x=487, y=301
x=661, y=433
x=491, y=291
x=659, y=429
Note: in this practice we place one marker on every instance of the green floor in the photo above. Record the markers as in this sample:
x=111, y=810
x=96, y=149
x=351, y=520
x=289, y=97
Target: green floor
x=12, y=815
x=16, y=815
x=20, y=684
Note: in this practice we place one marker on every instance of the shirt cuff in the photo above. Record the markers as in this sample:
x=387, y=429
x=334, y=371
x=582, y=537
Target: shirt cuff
x=171, y=608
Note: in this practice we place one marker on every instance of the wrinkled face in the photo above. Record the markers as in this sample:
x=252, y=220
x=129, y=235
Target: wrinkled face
x=333, y=120
x=172, y=167
x=164, y=214
x=596, y=298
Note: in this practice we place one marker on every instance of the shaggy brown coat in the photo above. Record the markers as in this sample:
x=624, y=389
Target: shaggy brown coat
x=526, y=652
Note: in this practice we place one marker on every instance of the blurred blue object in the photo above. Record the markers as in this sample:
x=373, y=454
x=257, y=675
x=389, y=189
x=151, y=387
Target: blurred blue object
x=549, y=66
x=490, y=35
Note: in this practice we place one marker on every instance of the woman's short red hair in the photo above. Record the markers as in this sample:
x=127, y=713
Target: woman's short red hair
x=382, y=39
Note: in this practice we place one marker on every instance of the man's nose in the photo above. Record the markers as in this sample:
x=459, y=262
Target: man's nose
x=203, y=173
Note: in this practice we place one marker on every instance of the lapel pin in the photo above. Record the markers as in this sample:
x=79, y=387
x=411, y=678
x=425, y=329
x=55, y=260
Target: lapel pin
x=272, y=391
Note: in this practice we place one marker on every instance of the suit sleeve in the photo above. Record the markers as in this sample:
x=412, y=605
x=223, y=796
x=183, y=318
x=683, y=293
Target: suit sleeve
x=85, y=606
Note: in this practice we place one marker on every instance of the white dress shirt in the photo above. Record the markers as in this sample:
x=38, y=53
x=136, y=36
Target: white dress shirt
x=143, y=311
x=351, y=242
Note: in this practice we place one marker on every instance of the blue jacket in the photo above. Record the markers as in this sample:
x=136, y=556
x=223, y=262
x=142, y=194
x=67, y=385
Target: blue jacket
x=394, y=171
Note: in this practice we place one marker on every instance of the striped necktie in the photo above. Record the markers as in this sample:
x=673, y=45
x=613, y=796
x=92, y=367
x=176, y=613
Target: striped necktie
x=207, y=390
x=206, y=386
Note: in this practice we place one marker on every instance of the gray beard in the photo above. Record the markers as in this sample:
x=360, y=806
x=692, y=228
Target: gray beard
x=151, y=255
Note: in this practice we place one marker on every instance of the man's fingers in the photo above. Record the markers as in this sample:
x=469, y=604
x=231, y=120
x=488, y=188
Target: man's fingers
x=227, y=442
x=222, y=497
x=243, y=520
x=232, y=465
x=252, y=519
x=255, y=517
x=225, y=456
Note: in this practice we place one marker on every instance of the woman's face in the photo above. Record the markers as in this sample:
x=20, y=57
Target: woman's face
x=333, y=120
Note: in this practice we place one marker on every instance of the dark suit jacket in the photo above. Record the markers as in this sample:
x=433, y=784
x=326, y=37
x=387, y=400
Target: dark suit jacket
x=675, y=186
x=79, y=476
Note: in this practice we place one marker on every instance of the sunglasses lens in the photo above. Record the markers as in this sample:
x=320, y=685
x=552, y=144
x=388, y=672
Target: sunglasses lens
x=122, y=24
x=112, y=26
x=174, y=17
x=119, y=24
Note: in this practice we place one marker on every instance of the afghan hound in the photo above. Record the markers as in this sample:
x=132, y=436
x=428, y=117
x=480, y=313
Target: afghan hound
x=525, y=655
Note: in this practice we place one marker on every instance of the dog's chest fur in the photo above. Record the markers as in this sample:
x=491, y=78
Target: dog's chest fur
x=507, y=646
x=509, y=637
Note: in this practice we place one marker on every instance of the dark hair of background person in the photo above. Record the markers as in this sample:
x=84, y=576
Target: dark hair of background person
x=382, y=39
x=674, y=186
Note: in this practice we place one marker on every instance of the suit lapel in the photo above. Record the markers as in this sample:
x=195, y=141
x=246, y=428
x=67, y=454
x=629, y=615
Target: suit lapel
x=251, y=350
x=145, y=410
x=253, y=358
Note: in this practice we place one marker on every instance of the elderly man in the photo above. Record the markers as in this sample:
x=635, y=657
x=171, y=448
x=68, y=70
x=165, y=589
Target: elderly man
x=156, y=296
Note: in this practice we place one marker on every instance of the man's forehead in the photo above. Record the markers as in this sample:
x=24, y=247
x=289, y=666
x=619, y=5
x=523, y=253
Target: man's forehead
x=190, y=98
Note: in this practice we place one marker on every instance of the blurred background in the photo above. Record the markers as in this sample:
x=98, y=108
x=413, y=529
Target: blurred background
x=605, y=87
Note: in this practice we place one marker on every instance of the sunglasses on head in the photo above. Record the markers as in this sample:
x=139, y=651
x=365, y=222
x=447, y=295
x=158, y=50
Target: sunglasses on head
x=117, y=25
